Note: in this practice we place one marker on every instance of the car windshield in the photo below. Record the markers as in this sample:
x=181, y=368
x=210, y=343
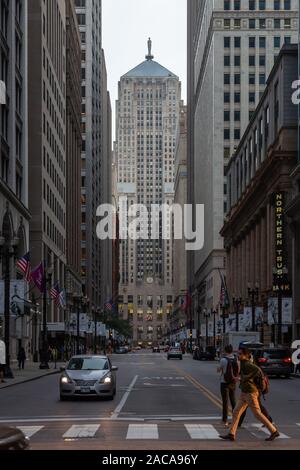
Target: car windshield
x=175, y=350
x=280, y=354
x=88, y=363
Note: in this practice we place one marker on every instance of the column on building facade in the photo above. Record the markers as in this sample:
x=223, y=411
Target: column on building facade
x=244, y=267
x=257, y=252
x=263, y=257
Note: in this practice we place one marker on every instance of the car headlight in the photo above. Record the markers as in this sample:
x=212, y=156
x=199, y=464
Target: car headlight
x=65, y=380
x=106, y=379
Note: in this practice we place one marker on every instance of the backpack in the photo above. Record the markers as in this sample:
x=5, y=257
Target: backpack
x=232, y=371
x=262, y=383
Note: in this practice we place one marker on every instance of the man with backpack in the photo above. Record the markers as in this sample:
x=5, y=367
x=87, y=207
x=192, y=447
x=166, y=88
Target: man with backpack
x=251, y=383
x=229, y=370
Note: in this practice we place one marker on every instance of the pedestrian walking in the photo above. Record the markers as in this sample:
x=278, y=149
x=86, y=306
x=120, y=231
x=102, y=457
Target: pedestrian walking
x=2, y=361
x=250, y=376
x=21, y=358
x=229, y=370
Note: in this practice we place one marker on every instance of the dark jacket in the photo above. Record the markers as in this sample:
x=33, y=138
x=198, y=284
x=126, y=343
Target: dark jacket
x=248, y=373
x=22, y=355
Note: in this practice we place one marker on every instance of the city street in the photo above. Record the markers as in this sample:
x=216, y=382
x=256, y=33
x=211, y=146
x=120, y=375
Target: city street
x=159, y=404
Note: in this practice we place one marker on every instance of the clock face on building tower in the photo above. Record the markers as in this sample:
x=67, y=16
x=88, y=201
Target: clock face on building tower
x=150, y=280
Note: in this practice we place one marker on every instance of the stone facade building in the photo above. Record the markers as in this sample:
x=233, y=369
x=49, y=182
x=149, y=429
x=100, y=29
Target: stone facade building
x=257, y=236
x=232, y=46
x=14, y=213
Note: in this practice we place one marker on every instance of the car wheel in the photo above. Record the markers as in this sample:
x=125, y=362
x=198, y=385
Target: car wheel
x=168, y=358
x=115, y=392
x=288, y=376
x=111, y=397
x=63, y=398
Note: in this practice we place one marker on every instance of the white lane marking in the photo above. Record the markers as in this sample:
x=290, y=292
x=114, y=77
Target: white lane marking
x=142, y=431
x=81, y=431
x=259, y=428
x=124, y=399
x=202, y=431
x=30, y=431
x=46, y=419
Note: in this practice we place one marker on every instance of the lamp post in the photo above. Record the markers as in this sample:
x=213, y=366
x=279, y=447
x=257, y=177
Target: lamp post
x=35, y=321
x=224, y=316
x=77, y=298
x=253, y=295
x=7, y=247
x=214, y=313
x=206, y=314
x=44, y=356
x=237, y=302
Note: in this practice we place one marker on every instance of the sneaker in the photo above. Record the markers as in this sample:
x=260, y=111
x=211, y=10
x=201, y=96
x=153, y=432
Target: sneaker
x=273, y=436
x=224, y=423
x=227, y=437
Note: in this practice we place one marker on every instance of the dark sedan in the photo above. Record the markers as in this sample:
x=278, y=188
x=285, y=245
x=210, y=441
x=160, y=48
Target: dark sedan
x=12, y=439
x=274, y=361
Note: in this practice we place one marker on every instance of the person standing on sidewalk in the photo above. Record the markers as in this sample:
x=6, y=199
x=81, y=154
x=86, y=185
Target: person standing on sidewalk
x=21, y=358
x=2, y=361
x=229, y=370
x=249, y=398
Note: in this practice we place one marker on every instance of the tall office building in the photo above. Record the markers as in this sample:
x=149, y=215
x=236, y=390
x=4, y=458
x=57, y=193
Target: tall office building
x=96, y=153
x=47, y=140
x=14, y=214
x=73, y=149
x=147, y=125
x=232, y=46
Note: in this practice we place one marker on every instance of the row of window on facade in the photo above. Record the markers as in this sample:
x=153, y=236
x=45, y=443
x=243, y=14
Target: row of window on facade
x=257, y=5
x=260, y=23
x=148, y=300
x=254, y=150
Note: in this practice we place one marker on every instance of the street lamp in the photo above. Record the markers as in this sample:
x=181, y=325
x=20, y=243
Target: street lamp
x=237, y=302
x=214, y=313
x=77, y=298
x=44, y=356
x=207, y=315
x=253, y=295
x=7, y=251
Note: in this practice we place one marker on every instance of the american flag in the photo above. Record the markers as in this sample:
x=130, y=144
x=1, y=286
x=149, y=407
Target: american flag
x=186, y=301
x=62, y=299
x=55, y=292
x=24, y=266
x=109, y=305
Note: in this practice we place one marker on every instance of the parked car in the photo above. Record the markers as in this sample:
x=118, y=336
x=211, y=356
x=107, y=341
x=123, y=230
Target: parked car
x=208, y=355
x=12, y=439
x=274, y=361
x=156, y=349
x=88, y=376
x=174, y=353
x=121, y=350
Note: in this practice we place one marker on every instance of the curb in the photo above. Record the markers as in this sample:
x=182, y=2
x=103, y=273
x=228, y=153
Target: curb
x=31, y=379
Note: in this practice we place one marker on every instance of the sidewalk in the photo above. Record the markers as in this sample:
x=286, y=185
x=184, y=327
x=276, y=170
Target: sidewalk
x=31, y=372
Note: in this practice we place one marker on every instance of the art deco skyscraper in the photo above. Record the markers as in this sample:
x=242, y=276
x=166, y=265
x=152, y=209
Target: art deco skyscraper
x=147, y=125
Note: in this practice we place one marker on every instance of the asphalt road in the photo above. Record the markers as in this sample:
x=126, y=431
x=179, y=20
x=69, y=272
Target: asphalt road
x=159, y=404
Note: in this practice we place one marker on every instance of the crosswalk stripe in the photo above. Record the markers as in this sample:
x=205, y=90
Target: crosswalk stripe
x=202, y=431
x=259, y=428
x=30, y=431
x=142, y=431
x=81, y=431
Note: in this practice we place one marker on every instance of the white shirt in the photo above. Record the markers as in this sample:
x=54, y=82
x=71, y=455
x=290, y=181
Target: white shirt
x=2, y=353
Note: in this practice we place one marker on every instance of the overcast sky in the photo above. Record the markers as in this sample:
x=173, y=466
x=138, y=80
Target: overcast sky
x=127, y=24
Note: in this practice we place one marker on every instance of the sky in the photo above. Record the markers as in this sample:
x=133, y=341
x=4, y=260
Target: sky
x=127, y=25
